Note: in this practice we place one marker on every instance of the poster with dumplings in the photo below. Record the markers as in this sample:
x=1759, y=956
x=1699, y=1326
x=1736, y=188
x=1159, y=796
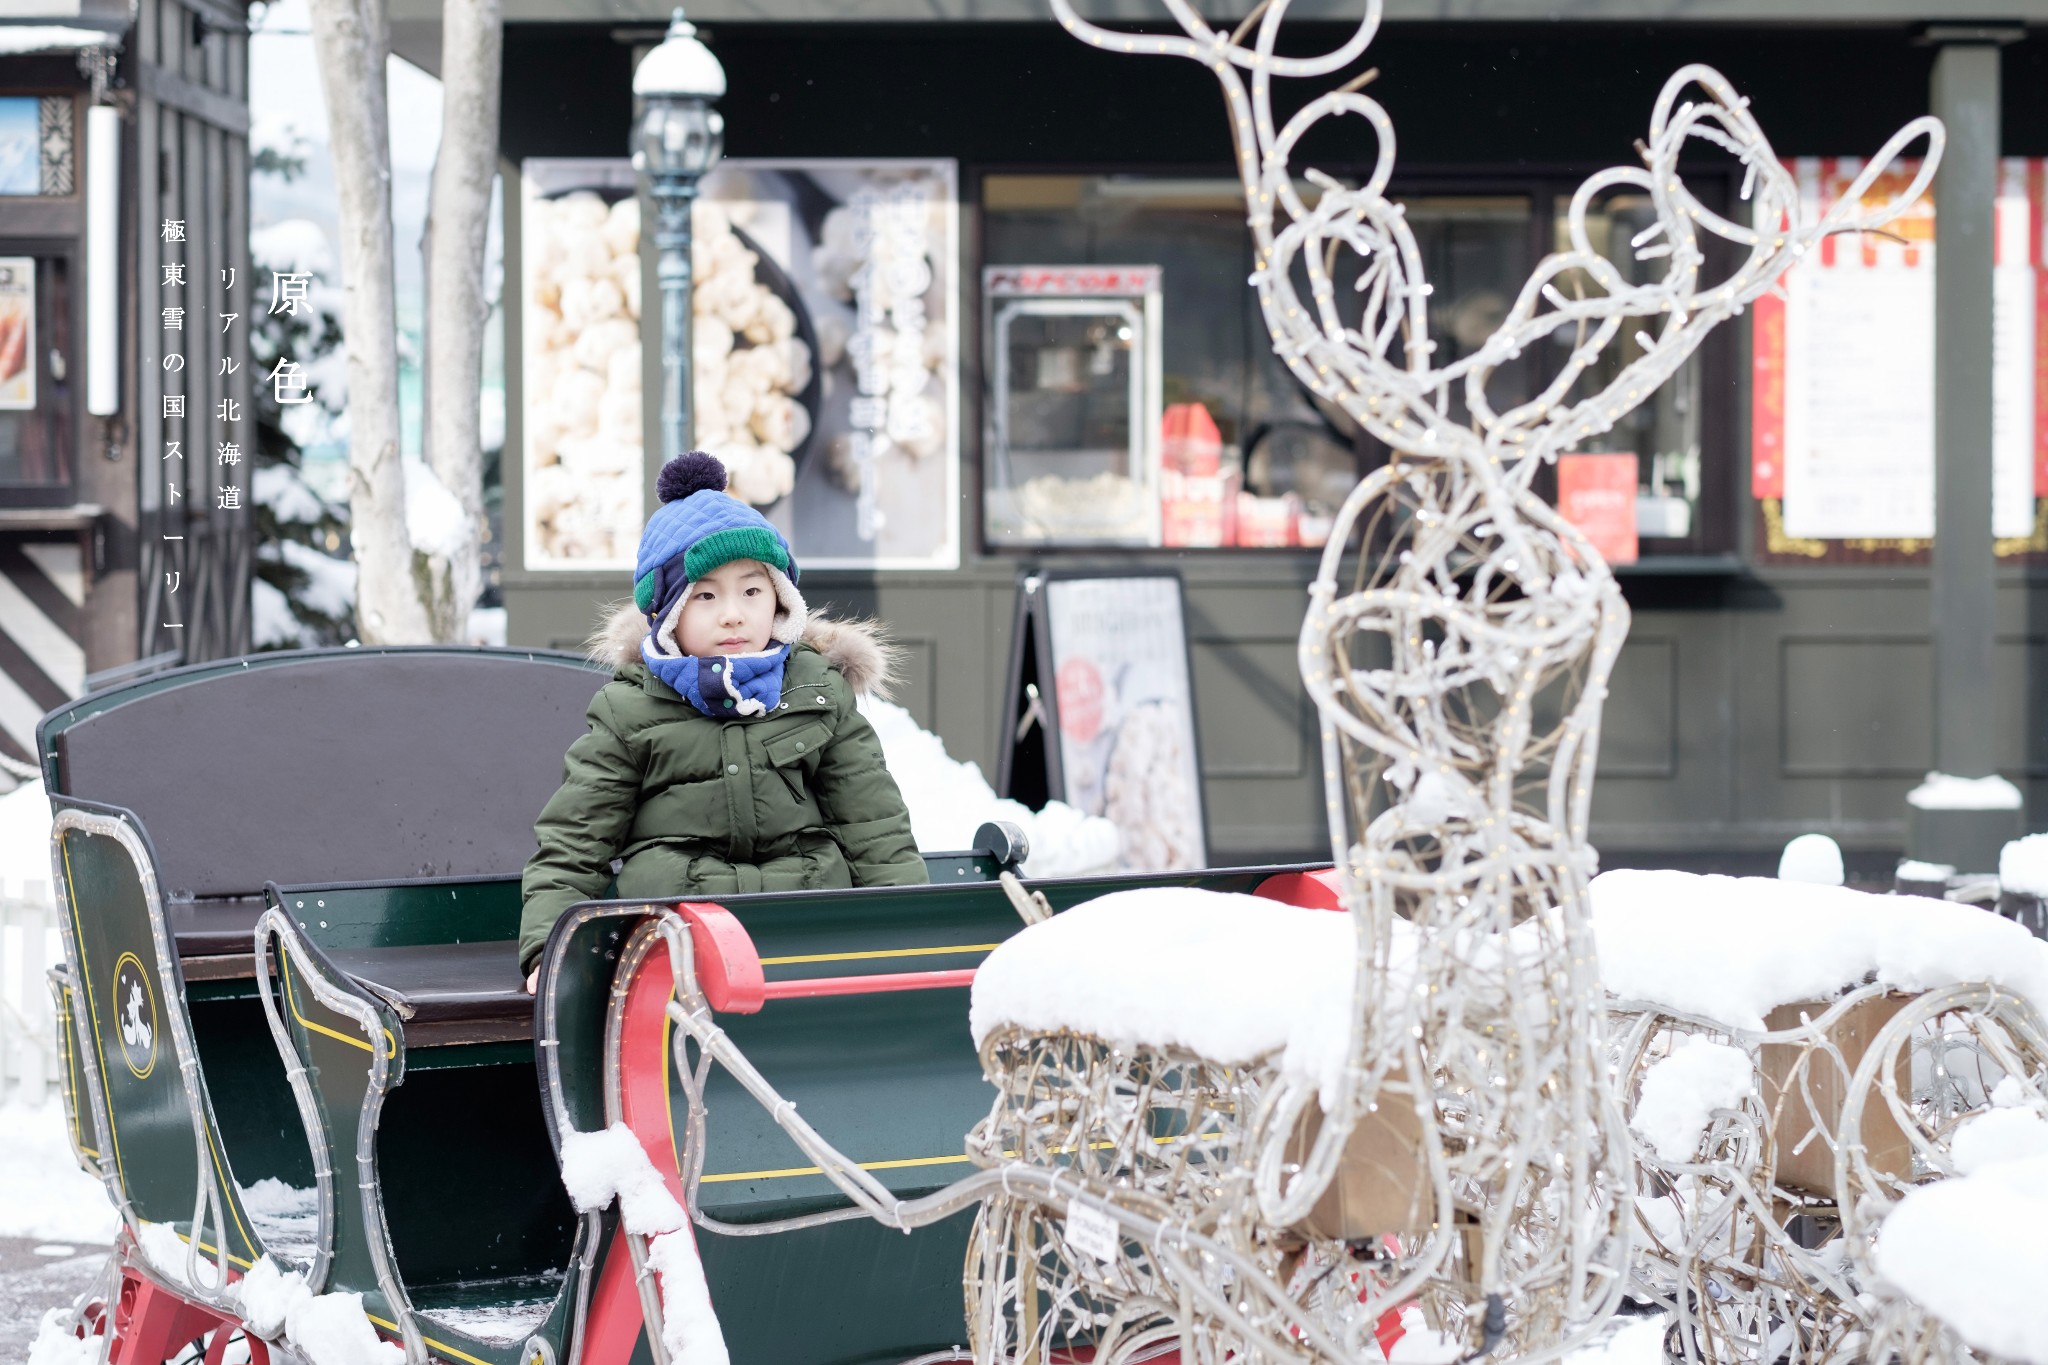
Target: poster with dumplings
x=825, y=350
x=1124, y=711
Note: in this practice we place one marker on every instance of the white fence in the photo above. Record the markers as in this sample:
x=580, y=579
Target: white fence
x=31, y=1060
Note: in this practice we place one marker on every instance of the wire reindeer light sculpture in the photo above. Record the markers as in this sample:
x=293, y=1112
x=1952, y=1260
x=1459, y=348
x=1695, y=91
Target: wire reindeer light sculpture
x=1760, y=1239
x=1465, y=1153
x=1459, y=670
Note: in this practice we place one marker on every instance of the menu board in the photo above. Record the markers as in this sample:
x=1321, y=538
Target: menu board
x=1106, y=660
x=1843, y=411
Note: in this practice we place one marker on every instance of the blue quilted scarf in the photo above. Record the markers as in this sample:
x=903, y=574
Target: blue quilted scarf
x=722, y=686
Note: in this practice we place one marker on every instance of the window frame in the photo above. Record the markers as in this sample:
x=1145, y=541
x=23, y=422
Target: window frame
x=1717, y=541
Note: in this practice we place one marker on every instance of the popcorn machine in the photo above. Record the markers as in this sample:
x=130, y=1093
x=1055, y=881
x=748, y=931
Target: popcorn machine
x=1074, y=404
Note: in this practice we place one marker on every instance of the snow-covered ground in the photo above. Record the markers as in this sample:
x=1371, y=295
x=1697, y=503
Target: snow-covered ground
x=25, y=835
x=56, y=1224
x=45, y=1195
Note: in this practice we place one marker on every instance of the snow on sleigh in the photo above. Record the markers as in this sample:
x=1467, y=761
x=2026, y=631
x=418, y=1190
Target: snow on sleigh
x=305, y=1066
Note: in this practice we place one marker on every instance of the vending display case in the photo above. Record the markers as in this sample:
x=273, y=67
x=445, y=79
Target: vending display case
x=1074, y=363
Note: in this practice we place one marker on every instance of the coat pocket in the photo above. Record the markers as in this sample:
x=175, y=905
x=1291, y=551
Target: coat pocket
x=798, y=746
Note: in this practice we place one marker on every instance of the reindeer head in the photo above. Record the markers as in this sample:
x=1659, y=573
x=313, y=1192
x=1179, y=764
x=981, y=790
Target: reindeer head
x=1475, y=597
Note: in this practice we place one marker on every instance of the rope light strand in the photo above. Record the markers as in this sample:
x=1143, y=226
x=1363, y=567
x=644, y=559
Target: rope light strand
x=1458, y=642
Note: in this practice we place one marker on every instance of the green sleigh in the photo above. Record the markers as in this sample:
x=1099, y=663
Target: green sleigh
x=295, y=1028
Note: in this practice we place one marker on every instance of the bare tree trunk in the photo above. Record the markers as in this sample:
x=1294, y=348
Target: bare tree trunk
x=351, y=40
x=458, y=212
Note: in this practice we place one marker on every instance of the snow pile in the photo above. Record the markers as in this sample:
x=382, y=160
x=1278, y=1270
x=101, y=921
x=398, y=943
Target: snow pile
x=1681, y=1093
x=286, y=1218
x=689, y=1325
x=1913, y=870
x=25, y=836
x=486, y=626
x=1732, y=949
x=506, y=1324
x=1231, y=977
x=599, y=1167
x=610, y=1164
x=1997, y=1135
x=327, y=1329
x=1969, y=1251
x=267, y=1295
x=2023, y=866
x=949, y=800
x=1941, y=791
x=331, y=1329
x=171, y=1256
x=1812, y=858
x=57, y=1343
x=434, y=521
x=43, y=1193
x=24, y=38
x=1638, y=1341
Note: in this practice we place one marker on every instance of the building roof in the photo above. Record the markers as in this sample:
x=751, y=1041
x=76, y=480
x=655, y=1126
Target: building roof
x=1478, y=11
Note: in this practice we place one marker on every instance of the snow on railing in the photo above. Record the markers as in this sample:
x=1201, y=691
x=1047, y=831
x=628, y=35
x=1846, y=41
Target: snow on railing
x=30, y=1058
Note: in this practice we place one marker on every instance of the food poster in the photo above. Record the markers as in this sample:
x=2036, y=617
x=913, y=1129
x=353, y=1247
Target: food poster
x=1124, y=707
x=585, y=473
x=825, y=346
x=17, y=333
x=1843, y=414
x=826, y=343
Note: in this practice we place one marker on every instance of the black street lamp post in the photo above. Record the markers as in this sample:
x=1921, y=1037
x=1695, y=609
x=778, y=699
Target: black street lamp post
x=677, y=138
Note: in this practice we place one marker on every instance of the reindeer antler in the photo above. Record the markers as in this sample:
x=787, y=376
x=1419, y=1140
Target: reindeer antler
x=1404, y=401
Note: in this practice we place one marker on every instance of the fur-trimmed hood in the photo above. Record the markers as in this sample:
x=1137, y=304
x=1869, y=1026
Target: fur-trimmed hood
x=860, y=650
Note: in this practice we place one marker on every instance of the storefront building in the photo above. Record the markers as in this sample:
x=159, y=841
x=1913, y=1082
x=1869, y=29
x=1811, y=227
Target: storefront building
x=124, y=179
x=1094, y=388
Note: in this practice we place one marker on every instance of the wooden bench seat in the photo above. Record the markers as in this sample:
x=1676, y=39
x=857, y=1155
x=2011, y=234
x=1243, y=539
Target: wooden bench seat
x=447, y=993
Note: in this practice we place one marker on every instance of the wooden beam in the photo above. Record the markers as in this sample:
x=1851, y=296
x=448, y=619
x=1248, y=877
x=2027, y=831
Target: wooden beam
x=188, y=97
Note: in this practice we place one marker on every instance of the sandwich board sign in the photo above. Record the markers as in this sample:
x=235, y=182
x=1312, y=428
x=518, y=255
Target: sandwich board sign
x=1101, y=711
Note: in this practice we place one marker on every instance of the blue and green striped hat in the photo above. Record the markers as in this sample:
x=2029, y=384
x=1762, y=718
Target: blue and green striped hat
x=698, y=527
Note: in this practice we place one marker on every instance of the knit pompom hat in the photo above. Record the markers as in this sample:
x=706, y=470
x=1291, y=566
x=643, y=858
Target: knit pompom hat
x=698, y=527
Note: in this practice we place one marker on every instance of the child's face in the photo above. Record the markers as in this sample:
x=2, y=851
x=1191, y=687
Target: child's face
x=729, y=611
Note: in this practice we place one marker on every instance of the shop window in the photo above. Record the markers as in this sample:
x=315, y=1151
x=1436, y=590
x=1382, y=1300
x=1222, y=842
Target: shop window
x=37, y=146
x=37, y=415
x=1238, y=454
x=1243, y=456
x=1660, y=447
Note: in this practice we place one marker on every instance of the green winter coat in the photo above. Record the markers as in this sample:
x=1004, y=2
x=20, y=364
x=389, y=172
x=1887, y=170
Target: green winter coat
x=798, y=799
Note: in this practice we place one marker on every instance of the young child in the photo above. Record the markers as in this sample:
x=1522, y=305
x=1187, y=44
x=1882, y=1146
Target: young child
x=725, y=756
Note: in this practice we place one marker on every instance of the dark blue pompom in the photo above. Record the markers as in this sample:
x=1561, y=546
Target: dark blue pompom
x=691, y=472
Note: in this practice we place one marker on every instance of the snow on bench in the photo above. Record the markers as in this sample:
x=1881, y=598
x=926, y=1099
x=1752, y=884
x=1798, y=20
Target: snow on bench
x=1968, y=1250
x=1733, y=949
x=1230, y=978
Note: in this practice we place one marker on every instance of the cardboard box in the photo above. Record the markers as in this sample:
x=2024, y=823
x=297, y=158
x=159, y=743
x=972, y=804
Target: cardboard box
x=1382, y=1181
x=1793, y=1116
